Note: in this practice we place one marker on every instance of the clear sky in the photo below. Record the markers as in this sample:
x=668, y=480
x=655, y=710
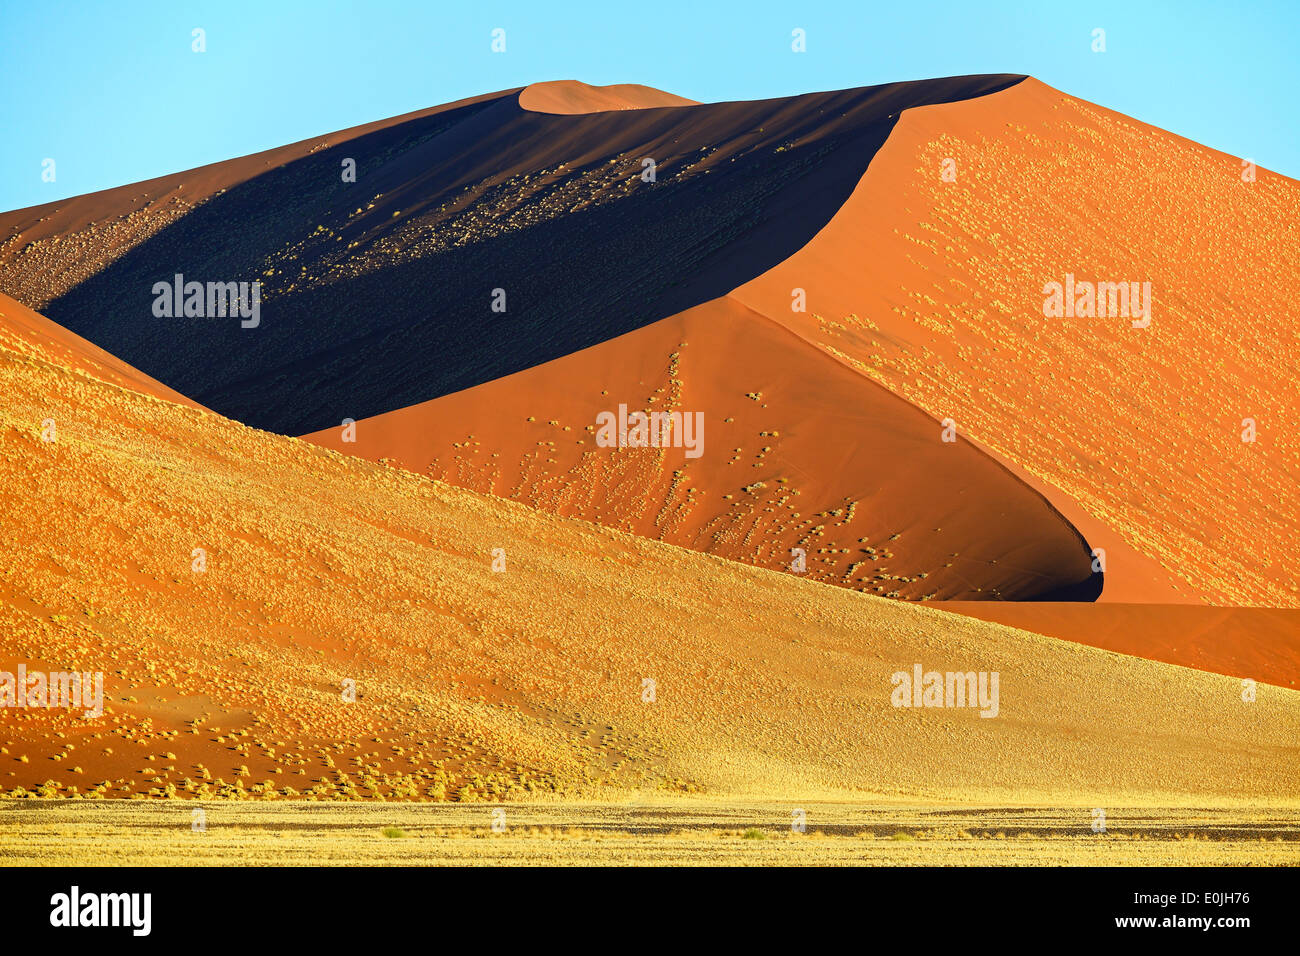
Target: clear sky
x=114, y=93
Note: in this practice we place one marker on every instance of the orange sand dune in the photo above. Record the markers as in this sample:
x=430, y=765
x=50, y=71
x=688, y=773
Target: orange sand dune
x=1262, y=644
x=572, y=96
x=798, y=452
x=930, y=288
x=590, y=664
x=936, y=290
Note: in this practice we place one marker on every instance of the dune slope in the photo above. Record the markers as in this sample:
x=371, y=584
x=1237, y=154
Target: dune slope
x=476, y=241
x=1139, y=429
x=474, y=683
x=796, y=452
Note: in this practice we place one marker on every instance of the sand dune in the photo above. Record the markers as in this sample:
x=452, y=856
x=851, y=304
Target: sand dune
x=797, y=452
x=232, y=584
x=1138, y=428
x=1113, y=425
x=572, y=96
x=474, y=684
x=825, y=476
x=385, y=292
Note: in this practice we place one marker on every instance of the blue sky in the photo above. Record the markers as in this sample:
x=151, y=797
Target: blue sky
x=114, y=94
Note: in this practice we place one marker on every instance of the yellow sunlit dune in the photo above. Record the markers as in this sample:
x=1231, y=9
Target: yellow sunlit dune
x=472, y=683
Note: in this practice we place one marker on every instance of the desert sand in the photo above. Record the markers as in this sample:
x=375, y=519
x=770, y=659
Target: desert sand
x=480, y=684
x=474, y=604
x=1139, y=428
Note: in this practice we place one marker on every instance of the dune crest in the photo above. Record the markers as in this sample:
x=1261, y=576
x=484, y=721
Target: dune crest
x=574, y=96
x=970, y=210
x=464, y=223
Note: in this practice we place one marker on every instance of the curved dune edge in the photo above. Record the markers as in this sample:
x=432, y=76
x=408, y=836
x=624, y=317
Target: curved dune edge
x=322, y=568
x=574, y=96
x=23, y=331
x=561, y=210
x=1134, y=434
x=798, y=452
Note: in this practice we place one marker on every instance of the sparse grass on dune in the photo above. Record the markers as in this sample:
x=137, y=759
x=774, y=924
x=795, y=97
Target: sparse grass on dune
x=1139, y=429
x=522, y=685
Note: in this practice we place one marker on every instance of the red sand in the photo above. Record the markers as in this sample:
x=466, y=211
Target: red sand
x=819, y=458
x=935, y=290
x=572, y=96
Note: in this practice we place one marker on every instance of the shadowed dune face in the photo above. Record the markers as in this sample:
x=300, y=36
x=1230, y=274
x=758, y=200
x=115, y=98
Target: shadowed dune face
x=1140, y=429
x=571, y=96
x=797, y=452
x=378, y=294
x=322, y=568
x=50, y=249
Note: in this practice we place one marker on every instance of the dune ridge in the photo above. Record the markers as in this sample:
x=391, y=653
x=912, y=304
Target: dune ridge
x=1137, y=430
x=574, y=96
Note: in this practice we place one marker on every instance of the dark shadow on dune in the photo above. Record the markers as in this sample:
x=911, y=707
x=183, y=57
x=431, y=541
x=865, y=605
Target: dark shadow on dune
x=420, y=328
x=1089, y=589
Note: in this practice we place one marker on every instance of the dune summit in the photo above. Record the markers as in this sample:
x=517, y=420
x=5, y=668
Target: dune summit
x=572, y=96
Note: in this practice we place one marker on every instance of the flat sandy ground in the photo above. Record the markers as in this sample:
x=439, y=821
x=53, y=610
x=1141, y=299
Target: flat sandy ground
x=56, y=832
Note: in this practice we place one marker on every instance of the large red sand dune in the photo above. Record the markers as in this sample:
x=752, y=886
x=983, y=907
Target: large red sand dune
x=798, y=452
x=935, y=288
x=927, y=284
